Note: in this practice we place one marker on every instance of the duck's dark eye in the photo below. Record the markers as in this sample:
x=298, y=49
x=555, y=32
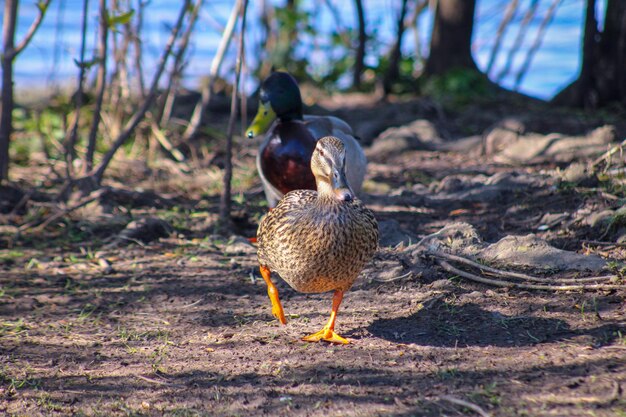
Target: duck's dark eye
x=321, y=152
x=265, y=113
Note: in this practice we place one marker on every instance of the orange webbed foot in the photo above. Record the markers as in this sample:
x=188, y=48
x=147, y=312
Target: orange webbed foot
x=326, y=334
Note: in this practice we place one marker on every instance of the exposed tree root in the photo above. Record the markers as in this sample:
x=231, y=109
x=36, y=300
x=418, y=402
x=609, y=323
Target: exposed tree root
x=501, y=283
x=517, y=275
x=465, y=404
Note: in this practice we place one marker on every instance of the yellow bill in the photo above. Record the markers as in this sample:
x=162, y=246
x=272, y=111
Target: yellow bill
x=262, y=121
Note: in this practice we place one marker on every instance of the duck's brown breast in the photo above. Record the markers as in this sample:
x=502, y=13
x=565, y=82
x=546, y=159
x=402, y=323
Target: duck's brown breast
x=317, y=251
x=286, y=159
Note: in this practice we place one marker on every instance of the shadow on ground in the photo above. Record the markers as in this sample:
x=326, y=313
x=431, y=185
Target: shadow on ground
x=444, y=324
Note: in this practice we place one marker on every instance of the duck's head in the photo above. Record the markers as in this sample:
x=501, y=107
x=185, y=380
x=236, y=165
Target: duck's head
x=279, y=97
x=328, y=165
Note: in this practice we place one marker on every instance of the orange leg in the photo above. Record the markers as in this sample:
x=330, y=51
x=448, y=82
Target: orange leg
x=328, y=332
x=277, y=309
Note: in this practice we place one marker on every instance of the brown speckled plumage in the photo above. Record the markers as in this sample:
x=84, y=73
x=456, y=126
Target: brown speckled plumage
x=316, y=241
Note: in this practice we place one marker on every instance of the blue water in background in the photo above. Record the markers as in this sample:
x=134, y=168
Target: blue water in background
x=49, y=59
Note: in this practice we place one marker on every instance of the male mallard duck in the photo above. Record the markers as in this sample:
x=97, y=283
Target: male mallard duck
x=284, y=156
x=318, y=241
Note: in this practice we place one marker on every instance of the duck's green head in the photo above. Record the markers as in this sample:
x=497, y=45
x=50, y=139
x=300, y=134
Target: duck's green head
x=279, y=97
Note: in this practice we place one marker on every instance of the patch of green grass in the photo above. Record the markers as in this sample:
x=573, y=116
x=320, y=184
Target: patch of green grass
x=458, y=86
x=16, y=383
x=618, y=268
x=487, y=393
x=9, y=257
x=157, y=357
x=86, y=314
x=131, y=335
x=449, y=329
x=127, y=335
x=72, y=286
x=13, y=328
x=45, y=401
x=184, y=412
x=447, y=373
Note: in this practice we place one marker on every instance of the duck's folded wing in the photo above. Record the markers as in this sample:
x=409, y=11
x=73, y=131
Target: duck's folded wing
x=321, y=126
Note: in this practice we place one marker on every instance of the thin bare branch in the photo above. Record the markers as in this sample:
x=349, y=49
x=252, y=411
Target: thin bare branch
x=100, y=86
x=519, y=39
x=165, y=143
x=207, y=90
x=139, y=115
x=42, y=223
x=604, y=243
x=413, y=23
x=509, y=13
x=165, y=110
x=138, y=48
x=43, y=7
x=225, y=202
x=536, y=43
x=70, y=143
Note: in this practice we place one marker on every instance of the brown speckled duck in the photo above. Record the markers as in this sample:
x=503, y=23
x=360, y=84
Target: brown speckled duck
x=284, y=157
x=318, y=241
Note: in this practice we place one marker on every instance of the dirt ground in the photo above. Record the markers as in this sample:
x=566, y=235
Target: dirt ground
x=181, y=325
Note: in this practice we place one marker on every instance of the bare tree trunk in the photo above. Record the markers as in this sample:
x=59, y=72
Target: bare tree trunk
x=602, y=78
x=393, y=71
x=450, y=44
x=360, y=50
x=588, y=56
x=100, y=86
x=9, y=53
x=6, y=120
x=225, y=201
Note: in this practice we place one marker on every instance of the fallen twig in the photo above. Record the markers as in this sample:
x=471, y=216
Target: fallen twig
x=155, y=381
x=608, y=153
x=466, y=404
x=42, y=223
x=603, y=243
x=195, y=303
x=518, y=275
x=392, y=279
x=591, y=399
x=500, y=283
x=22, y=202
